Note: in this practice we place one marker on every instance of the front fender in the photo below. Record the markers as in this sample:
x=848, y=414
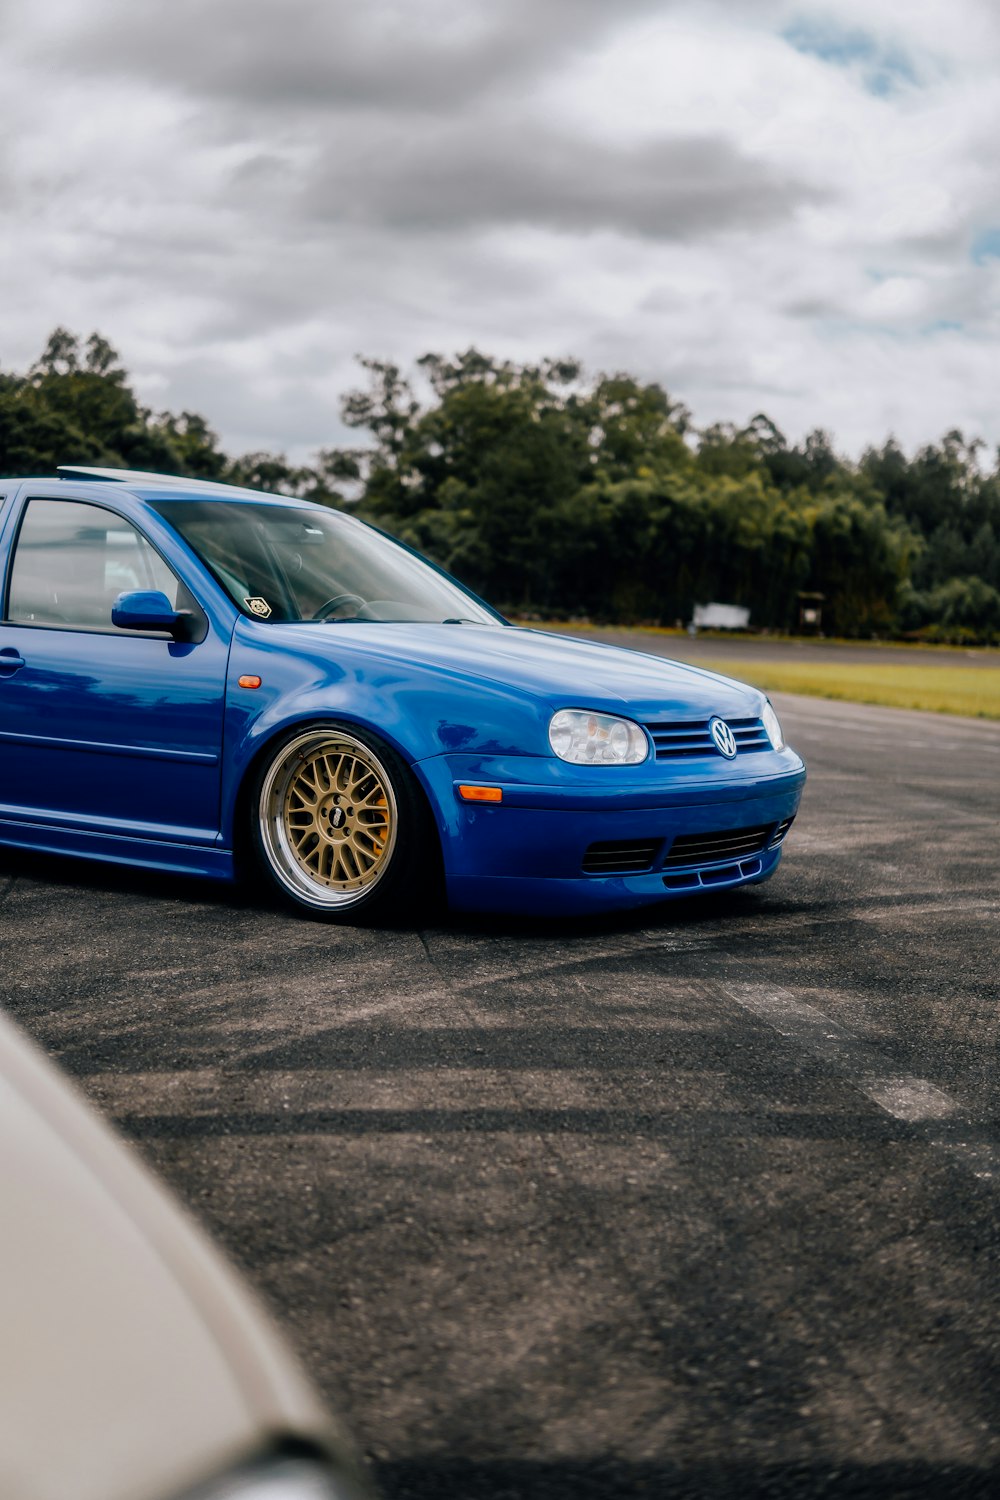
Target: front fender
x=421, y=711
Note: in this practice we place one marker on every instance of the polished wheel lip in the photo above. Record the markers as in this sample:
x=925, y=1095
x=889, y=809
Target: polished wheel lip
x=305, y=809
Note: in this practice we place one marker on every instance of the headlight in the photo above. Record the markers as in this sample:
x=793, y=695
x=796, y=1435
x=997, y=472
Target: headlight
x=589, y=739
x=772, y=728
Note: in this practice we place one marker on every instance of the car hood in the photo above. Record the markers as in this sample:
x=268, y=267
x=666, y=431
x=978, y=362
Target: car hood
x=562, y=670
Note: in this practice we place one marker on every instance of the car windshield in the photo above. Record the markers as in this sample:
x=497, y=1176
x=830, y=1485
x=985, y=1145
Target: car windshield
x=281, y=563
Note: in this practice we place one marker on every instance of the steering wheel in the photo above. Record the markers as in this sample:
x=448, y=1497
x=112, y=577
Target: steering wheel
x=326, y=610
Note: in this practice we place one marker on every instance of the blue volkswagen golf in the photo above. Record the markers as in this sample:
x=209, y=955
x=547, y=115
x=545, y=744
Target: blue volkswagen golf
x=197, y=678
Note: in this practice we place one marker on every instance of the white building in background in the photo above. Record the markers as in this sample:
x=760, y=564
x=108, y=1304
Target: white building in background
x=720, y=617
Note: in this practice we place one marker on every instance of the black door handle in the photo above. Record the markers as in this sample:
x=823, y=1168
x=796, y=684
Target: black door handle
x=11, y=661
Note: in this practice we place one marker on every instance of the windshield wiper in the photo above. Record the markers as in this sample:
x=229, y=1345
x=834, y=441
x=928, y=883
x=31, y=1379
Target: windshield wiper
x=396, y=620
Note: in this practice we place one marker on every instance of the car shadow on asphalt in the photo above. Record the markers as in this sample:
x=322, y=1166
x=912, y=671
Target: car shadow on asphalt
x=132, y=880
x=155, y=885
x=610, y=1479
x=679, y=912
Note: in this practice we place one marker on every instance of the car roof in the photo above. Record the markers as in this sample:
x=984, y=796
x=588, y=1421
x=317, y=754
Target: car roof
x=150, y=486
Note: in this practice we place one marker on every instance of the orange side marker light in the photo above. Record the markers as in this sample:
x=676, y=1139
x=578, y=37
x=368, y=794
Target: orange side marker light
x=481, y=793
x=249, y=681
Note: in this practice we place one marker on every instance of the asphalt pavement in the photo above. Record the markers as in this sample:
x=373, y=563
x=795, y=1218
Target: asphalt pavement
x=700, y=1202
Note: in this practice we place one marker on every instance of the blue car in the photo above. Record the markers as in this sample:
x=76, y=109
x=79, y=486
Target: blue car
x=197, y=678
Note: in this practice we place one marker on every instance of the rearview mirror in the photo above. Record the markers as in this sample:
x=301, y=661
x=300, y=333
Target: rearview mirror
x=148, y=609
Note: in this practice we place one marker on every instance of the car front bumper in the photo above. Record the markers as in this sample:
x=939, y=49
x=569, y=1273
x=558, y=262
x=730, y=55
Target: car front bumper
x=530, y=852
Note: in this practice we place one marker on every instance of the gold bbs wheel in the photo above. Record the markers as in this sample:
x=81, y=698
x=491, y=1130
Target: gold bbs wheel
x=328, y=819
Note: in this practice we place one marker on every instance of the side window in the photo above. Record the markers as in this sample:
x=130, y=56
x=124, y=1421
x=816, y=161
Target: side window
x=71, y=562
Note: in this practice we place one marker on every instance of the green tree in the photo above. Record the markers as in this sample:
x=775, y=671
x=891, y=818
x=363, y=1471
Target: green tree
x=547, y=491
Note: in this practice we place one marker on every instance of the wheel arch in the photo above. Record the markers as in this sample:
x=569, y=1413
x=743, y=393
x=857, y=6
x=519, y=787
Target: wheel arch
x=265, y=747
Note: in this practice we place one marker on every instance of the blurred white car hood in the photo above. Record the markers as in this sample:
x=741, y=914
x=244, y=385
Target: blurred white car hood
x=132, y=1362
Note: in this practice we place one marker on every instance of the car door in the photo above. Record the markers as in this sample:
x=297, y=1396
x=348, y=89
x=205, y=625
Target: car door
x=101, y=730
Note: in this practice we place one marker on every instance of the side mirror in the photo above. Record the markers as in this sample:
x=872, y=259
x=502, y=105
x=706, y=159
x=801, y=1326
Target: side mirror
x=151, y=610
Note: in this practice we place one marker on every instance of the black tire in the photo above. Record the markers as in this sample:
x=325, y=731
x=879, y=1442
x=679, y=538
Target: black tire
x=339, y=827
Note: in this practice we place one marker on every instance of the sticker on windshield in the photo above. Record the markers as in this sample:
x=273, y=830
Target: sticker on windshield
x=258, y=606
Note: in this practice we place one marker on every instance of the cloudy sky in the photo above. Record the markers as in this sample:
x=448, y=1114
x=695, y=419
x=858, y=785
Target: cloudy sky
x=763, y=205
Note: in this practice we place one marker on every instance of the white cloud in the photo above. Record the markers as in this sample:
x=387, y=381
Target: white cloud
x=764, y=206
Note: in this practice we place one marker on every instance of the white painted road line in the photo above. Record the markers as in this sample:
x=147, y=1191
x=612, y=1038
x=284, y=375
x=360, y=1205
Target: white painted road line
x=910, y=1099
x=913, y=1100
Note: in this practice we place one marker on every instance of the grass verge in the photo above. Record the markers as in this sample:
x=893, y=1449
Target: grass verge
x=970, y=691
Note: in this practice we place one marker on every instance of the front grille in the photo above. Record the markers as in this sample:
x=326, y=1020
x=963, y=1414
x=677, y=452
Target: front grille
x=707, y=848
x=685, y=737
x=624, y=856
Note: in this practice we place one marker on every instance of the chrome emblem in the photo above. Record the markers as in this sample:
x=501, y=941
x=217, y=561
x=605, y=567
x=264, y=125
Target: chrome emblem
x=258, y=606
x=725, y=740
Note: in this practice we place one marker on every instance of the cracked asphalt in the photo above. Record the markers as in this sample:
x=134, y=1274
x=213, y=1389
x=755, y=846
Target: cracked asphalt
x=700, y=1202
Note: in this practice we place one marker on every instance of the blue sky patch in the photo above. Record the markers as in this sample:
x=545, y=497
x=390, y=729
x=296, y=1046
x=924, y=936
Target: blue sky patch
x=985, y=246
x=884, y=70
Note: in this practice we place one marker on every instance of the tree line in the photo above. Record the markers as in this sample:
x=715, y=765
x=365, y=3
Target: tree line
x=552, y=494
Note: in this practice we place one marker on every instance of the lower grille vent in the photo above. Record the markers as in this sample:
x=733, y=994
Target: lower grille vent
x=632, y=856
x=729, y=843
x=624, y=856
x=780, y=831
